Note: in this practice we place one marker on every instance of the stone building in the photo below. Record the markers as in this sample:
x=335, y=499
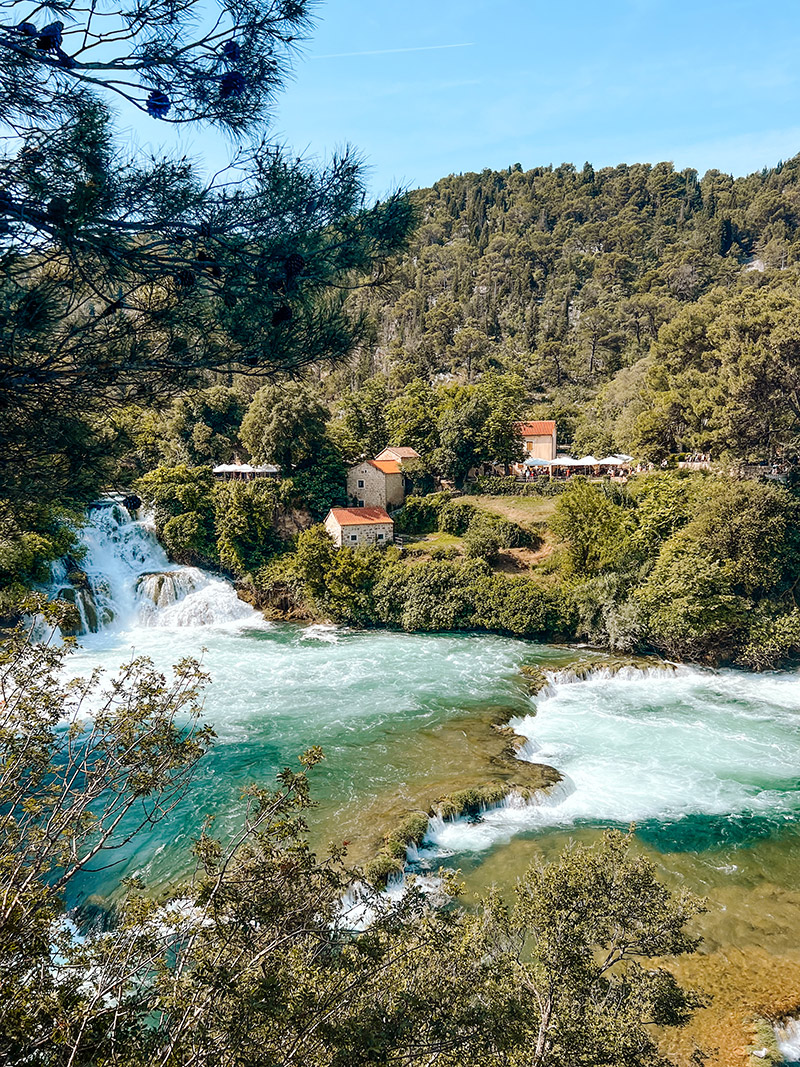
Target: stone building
x=408, y=458
x=538, y=439
x=376, y=483
x=359, y=526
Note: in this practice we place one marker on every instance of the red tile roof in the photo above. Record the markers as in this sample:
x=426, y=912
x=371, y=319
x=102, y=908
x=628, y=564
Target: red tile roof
x=360, y=516
x=545, y=428
x=388, y=466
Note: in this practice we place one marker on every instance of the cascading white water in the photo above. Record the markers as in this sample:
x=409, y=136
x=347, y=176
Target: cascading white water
x=687, y=749
x=132, y=583
x=788, y=1038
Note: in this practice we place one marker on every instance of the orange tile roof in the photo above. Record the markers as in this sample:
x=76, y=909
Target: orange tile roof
x=544, y=428
x=388, y=466
x=360, y=516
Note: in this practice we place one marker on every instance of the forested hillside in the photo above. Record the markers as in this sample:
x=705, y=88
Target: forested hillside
x=566, y=277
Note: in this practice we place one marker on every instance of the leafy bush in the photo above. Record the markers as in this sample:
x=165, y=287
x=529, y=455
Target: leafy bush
x=436, y=596
x=418, y=515
x=592, y=527
x=29, y=543
x=771, y=641
x=520, y=606
x=482, y=542
x=691, y=608
x=455, y=516
x=499, y=485
x=182, y=499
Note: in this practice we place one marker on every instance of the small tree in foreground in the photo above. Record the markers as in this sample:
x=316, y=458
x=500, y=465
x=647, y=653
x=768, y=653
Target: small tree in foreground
x=259, y=958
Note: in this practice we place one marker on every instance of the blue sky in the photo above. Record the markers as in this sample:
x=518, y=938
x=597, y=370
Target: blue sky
x=704, y=83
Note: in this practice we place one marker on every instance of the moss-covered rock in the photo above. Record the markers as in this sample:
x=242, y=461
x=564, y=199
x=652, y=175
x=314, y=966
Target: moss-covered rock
x=81, y=616
x=535, y=678
x=764, y=1047
x=529, y=779
x=471, y=802
x=380, y=869
x=501, y=714
x=392, y=855
x=582, y=671
x=79, y=579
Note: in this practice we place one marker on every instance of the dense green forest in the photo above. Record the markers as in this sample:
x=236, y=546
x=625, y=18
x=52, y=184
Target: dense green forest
x=566, y=278
x=645, y=309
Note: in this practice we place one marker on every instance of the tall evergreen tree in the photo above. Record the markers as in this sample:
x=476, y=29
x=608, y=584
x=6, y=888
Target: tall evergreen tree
x=124, y=278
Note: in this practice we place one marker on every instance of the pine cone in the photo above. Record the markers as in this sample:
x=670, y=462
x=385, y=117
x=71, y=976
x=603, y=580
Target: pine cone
x=28, y=29
x=158, y=104
x=57, y=209
x=50, y=37
x=185, y=278
x=207, y=261
x=231, y=84
x=231, y=51
x=294, y=266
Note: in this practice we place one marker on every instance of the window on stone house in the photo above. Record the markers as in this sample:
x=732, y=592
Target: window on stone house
x=360, y=483
x=361, y=503
x=353, y=537
x=381, y=537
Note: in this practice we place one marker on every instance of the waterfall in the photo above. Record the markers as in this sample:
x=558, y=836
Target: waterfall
x=126, y=581
x=788, y=1039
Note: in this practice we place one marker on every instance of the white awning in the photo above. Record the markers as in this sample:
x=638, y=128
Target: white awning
x=619, y=460
x=566, y=461
x=245, y=468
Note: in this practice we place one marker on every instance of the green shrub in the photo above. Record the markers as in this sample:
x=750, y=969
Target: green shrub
x=419, y=515
x=29, y=542
x=771, y=642
x=499, y=485
x=520, y=606
x=182, y=499
x=427, y=597
x=481, y=541
x=455, y=516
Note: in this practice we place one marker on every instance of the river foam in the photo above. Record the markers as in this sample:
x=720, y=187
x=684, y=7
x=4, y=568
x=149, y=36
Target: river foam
x=682, y=755
x=134, y=585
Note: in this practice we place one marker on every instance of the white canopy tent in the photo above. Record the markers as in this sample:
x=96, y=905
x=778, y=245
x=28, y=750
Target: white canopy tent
x=245, y=469
x=620, y=460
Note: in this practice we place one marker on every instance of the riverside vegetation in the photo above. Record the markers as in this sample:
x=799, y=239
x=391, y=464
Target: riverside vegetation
x=691, y=566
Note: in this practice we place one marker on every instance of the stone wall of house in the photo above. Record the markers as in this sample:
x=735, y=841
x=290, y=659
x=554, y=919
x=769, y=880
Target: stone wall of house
x=372, y=533
x=366, y=486
x=395, y=490
x=540, y=447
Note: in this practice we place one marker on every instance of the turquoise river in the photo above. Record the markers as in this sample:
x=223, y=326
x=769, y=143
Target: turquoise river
x=706, y=764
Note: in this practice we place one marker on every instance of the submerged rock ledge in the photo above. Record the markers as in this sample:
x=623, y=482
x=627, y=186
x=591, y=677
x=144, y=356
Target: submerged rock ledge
x=527, y=781
x=539, y=679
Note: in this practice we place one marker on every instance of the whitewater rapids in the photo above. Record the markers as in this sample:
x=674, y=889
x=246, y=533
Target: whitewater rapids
x=699, y=760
